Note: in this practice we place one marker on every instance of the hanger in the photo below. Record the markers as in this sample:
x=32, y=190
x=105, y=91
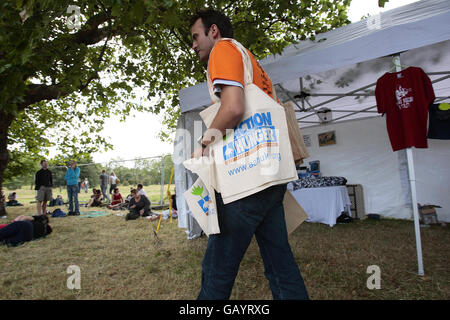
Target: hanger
x=395, y=61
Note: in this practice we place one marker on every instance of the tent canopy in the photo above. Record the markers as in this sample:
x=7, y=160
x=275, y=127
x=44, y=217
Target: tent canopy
x=342, y=50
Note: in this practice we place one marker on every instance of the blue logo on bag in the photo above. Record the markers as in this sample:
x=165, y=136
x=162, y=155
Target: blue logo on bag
x=251, y=134
x=204, y=201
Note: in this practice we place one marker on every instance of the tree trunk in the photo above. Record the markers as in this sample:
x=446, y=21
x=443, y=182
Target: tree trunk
x=5, y=122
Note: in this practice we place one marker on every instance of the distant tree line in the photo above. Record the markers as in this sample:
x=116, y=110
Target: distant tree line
x=146, y=172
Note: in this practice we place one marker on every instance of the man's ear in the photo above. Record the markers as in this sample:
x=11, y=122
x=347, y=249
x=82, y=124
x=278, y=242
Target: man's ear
x=215, y=32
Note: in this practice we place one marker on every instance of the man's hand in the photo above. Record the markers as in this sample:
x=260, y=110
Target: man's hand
x=198, y=152
x=141, y=212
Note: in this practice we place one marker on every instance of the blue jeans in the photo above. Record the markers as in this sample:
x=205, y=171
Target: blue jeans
x=105, y=195
x=262, y=215
x=72, y=193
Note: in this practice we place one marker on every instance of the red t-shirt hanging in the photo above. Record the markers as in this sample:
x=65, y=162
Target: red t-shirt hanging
x=405, y=97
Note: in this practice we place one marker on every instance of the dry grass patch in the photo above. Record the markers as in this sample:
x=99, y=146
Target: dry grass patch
x=122, y=260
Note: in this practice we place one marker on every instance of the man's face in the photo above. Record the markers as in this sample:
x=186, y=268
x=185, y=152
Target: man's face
x=201, y=43
x=44, y=165
x=73, y=165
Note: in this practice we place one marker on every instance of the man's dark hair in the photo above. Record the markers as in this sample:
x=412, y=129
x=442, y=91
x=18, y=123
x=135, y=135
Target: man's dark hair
x=210, y=17
x=140, y=186
x=43, y=160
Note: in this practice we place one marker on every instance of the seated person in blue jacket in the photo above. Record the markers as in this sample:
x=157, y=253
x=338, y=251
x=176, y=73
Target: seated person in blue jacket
x=59, y=200
x=139, y=206
x=24, y=228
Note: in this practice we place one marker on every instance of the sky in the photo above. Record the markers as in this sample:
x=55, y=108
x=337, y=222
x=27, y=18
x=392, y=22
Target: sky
x=137, y=136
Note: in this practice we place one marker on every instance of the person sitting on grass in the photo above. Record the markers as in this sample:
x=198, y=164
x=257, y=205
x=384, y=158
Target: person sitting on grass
x=129, y=197
x=96, y=199
x=139, y=206
x=24, y=228
x=59, y=200
x=12, y=200
x=117, y=199
x=140, y=189
x=173, y=204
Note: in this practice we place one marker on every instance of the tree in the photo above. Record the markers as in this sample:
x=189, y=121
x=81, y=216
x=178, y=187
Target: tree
x=59, y=81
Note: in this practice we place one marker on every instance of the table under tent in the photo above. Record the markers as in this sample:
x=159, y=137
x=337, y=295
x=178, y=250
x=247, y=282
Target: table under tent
x=336, y=75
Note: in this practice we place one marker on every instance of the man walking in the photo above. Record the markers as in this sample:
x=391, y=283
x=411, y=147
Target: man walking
x=71, y=177
x=43, y=185
x=260, y=214
x=104, y=178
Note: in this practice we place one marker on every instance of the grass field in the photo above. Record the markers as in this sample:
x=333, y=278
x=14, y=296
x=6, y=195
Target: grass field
x=121, y=259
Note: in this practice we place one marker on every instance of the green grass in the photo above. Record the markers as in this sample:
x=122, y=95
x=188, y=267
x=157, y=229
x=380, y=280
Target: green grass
x=122, y=260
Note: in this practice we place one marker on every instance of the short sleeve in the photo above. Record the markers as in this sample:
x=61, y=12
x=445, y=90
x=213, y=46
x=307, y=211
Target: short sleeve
x=225, y=63
x=379, y=96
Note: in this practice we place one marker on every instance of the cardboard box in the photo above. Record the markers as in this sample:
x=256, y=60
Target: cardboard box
x=428, y=214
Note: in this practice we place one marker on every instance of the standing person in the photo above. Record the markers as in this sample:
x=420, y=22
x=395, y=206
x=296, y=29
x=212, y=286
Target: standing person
x=260, y=214
x=112, y=182
x=43, y=185
x=71, y=177
x=86, y=185
x=104, y=184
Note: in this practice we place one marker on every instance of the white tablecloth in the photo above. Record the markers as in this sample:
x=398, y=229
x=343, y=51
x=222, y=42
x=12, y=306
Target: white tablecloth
x=324, y=204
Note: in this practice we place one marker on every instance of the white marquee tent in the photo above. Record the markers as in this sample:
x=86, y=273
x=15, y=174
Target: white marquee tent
x=339, y=71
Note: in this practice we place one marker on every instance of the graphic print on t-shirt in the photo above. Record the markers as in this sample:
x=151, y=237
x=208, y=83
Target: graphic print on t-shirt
x=403, y=100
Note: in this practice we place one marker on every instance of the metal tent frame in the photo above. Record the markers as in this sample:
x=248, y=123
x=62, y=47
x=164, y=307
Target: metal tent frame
x=296, y=97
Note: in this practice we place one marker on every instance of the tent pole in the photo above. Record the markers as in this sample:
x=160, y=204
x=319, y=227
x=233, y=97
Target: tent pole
x=412, y=182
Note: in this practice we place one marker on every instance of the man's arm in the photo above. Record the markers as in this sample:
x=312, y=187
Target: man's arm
x=231, y=110
x=23, y=218
x=37, y=182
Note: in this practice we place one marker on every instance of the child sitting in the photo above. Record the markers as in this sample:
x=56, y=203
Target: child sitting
x=117, y=199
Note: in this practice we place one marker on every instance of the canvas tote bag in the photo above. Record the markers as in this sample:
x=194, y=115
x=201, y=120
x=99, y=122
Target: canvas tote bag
x=257, y=154
x=200, y=197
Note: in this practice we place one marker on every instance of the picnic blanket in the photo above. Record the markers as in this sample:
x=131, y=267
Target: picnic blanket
x=93, y=214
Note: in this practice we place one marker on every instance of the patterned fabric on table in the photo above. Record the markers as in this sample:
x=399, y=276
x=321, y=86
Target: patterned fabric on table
x=319, y=182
